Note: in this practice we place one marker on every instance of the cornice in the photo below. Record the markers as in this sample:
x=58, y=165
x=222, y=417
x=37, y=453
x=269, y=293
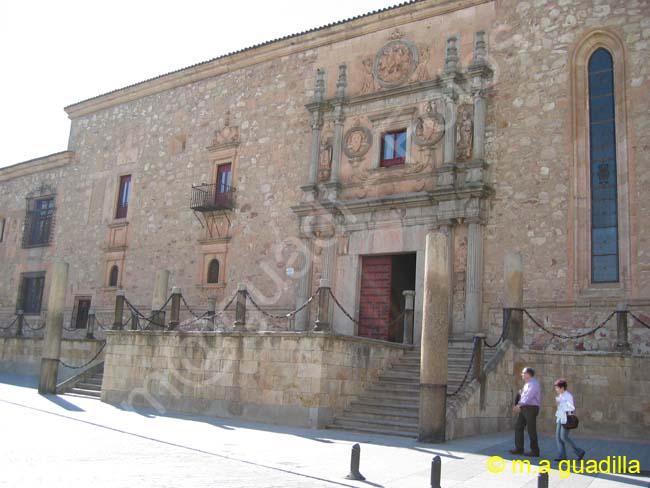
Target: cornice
x=37, y=165
x=314, y=39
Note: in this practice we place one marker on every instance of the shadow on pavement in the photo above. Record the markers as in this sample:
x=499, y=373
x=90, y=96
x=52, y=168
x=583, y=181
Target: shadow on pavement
x=63, y=403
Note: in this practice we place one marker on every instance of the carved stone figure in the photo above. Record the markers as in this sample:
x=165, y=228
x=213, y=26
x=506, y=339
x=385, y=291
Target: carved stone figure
x=422, y=71
x=369, y=84
x=227, y=134
x=464, y=132
x=395, y=62
x=325, y=160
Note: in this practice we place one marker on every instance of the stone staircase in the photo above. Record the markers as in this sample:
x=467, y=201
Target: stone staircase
x=390, y=406
x=89, y=386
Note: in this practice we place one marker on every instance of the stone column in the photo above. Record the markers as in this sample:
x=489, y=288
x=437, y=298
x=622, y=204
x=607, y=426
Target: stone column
x=514, y=296
x=478, y=147
x=339, y=118
x=159, y=298
x=53, y=329
x=304, y=288
x=316, y=126
x=435, y=339
x=449, y=148
x=474, y=278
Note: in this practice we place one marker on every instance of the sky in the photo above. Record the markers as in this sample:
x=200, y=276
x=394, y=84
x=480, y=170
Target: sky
x=56, y=53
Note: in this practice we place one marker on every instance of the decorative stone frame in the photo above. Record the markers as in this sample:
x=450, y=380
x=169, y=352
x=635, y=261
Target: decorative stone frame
x=580, y=208
x=116, y=194
x=210, y=252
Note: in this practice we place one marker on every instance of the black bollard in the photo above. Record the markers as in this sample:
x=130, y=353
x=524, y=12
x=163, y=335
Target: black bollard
x=542, y=480
x=355, y=459
x=436, y=465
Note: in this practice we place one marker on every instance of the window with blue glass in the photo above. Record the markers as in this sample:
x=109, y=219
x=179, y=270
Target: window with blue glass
x=602, y=143
x=393, y=148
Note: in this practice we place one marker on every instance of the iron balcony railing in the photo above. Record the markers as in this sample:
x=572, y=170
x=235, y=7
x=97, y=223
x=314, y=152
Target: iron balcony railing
x=206, y=198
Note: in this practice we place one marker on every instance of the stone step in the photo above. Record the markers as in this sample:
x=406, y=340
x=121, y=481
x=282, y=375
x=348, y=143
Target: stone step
x=390, y=399
x=365, y=414
x=86, y=392
x=383, y=407
x=392, y=389
x=93, y=381
x=372, y=430
x=89, y=386
x=411, y=427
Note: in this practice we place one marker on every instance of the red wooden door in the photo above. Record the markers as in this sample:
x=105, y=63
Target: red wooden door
x=374, y=302
x=223, y=190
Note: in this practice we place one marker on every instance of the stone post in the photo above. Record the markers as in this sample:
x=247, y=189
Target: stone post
x=409, y=305
x=478, y=355
x=53, y=329
x=174, y=320
x=474, y=278
x=212, y=308
x=514, y=297
x=622, y=343
x=304, y=289
x=20, y=323
x=240, y=308
x=134, y=320
x=322, y=323
x=119, y=310
x=90, y=330
x=159, y=298
x=449, y=147
x=435, y=338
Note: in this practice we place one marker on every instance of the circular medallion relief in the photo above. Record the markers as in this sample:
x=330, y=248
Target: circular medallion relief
x=395, y=62
x=357, y=141
x=428, y=129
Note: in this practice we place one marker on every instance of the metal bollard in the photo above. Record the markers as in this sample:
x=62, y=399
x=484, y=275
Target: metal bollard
x=436, y=470
x=240, y=308
x=90, y=331
x=20, y=323
x=174, y=320
x=355, y=459
x=542, y=480
x=322, y=323
x=119, y=310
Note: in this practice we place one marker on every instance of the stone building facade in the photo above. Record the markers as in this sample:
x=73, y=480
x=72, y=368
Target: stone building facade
x=329, y=155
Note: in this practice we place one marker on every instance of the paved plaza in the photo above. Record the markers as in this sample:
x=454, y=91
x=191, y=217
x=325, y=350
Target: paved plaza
x=68, y=441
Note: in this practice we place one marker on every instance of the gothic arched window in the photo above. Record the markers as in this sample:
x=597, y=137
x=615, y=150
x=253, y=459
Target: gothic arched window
x=602, y=165
x=213, y=271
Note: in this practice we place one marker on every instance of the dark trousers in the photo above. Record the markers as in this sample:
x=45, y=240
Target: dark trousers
x=527, y=418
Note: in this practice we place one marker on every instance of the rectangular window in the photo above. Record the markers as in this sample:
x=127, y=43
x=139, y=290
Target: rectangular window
x=39, y=223
x=2, y=229
x=80, y=312
x=393, y=148
x=31, y=293
x=123, y=197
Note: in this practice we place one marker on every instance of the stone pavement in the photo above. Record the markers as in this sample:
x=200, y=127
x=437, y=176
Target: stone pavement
x=67, y=441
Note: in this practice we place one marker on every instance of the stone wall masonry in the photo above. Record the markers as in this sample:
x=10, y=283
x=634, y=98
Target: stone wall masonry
x=611, y=391
x=285, y=378
x=23, y=355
